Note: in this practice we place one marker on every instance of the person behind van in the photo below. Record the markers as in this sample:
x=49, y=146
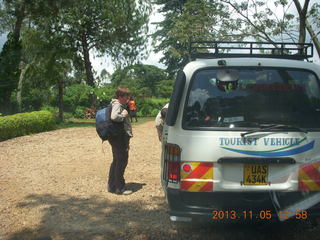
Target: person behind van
x=132, y=109
x=120, y=143
x=212, y=110
x=160, y=118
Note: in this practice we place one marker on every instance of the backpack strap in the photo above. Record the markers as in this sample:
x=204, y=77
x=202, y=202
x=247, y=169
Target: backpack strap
x=109, y=112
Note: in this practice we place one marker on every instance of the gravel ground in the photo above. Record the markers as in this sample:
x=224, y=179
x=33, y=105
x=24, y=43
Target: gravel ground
x=53, y=186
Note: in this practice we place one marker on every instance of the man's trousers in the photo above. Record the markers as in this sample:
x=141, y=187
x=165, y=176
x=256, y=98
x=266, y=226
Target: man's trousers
x=120, y=152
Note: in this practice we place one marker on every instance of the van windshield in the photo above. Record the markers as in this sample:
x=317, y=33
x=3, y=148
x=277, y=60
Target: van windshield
x=251, y=97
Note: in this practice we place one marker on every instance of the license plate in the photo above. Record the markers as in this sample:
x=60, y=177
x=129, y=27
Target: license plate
x=255, y=174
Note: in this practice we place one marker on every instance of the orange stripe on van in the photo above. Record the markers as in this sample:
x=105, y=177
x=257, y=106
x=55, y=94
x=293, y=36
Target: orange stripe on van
x=309, y=177
x=198, y=179
x=208, y=187
x=196, y=186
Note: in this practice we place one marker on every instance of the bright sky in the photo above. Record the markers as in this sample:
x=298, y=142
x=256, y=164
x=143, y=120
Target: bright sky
x=101, y=63
x=153, y=59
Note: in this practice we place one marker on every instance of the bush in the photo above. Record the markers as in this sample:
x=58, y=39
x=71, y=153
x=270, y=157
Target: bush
x=80, y=112
x=67, y=115
x=77, y=95
x=26, y=123
x=53, y=110
x=104, y=96
x=149, y=107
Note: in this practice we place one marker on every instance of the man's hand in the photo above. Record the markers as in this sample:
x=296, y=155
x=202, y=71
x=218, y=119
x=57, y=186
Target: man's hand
x=124, y=112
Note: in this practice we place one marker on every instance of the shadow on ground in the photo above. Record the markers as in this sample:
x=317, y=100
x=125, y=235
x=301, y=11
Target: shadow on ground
x=67, y=217
x=135, y=186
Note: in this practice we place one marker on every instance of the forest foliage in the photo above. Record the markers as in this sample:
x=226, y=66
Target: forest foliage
x=46, y=61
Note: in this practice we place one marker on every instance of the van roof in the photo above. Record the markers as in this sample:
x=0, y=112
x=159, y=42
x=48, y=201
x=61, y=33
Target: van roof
x=193, y=66
x=222, y=49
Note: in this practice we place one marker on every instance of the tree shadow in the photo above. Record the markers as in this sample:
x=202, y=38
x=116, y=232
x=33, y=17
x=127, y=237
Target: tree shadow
x=66, y=217
x=96, y=217
x=135, y=186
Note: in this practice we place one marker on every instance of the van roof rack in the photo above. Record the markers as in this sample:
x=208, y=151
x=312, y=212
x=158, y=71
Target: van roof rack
x=283, y=50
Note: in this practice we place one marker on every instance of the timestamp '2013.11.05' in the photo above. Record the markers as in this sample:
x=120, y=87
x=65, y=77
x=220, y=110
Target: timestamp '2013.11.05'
x=258, y=215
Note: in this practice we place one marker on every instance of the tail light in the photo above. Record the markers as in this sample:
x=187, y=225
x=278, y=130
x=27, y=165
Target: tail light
x=309, y=177
x=172, y=163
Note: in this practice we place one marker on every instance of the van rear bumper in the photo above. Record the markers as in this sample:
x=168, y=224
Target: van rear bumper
x=240, y=206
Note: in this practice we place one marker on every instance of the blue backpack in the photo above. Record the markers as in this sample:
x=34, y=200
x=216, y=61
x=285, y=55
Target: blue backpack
x=105, y=126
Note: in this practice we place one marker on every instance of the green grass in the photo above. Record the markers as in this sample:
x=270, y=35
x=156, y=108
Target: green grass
x=73, y=122
x=142, y=120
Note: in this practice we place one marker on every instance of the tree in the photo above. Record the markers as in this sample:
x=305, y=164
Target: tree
x=11, y=52
x=9, y=71
x=260, y=20
x=49, y=61
x=116, y=28
x=273, y=21
x=13, y=15
x=164, y=88
x=304, y=24
x=187, y=21
x=142, y=80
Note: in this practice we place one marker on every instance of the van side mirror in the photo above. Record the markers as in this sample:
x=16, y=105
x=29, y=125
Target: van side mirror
x=175, y=99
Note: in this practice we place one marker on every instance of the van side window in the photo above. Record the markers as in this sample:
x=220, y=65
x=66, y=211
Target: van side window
x=175, y=99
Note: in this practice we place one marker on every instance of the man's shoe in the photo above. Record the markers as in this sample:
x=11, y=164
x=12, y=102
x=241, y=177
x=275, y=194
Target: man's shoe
x=123, y=192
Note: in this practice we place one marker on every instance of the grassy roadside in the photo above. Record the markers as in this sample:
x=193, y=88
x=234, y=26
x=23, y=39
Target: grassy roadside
x=73, y=122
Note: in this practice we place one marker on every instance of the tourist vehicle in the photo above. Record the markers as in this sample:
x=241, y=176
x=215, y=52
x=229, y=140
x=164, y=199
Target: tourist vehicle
x=241, y=139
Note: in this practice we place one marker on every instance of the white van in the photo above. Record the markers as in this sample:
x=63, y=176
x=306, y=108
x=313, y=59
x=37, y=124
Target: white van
x=241, y=139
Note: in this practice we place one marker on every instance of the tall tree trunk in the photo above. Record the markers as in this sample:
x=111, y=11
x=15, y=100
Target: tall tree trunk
x=5, y=106
x=20, y=15
x=304, y=25
x=87, y=63
x=16, y=35
x=302, y=19
x=314, y=38
x=20, y=84
x=88, y=68
x=60, y=99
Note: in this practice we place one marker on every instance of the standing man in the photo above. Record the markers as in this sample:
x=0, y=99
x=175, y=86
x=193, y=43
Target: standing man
x=120, y=143
x=160, y=119
x=132, y=109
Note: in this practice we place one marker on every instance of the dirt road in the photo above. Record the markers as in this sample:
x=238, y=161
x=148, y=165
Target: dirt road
x=53, y=186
